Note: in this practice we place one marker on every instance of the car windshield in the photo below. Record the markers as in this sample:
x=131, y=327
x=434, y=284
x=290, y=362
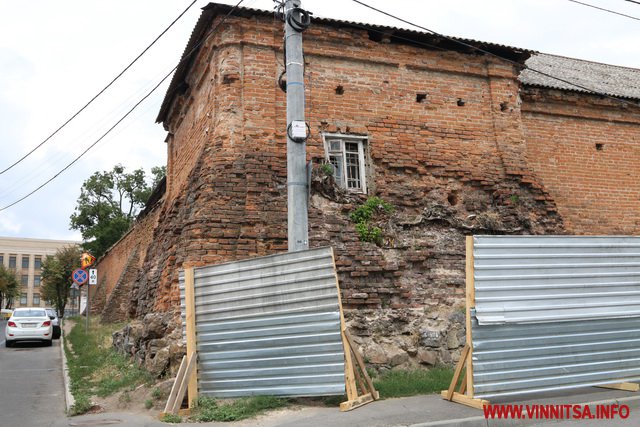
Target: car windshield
x=29, y=313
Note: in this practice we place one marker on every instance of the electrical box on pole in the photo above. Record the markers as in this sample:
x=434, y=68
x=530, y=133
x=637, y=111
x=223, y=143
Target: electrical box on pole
x=296, y=20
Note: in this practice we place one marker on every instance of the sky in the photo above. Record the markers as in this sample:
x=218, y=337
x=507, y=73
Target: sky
x=55, y=56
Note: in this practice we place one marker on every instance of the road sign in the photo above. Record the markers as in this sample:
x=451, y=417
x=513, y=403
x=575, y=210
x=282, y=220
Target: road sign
x=93, y=276
x=87, y=259
x=80, y=276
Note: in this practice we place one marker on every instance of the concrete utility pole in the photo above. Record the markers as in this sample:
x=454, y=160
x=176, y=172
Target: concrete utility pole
x=297, y=191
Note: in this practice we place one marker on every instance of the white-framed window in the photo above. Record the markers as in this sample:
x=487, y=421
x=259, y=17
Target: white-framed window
x=23, y=299
x=36, y=299
x=346, y=153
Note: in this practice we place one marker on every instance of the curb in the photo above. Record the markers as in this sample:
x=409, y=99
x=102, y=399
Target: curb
x=481, y=421
x=68, y=397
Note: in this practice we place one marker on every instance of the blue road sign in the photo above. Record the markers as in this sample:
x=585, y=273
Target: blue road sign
x=80, y=276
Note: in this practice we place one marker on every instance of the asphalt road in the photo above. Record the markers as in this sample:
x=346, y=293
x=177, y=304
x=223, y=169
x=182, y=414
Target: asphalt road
x=32, y=386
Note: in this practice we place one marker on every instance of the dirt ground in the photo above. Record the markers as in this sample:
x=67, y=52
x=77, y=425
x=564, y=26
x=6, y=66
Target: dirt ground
x=145, y=399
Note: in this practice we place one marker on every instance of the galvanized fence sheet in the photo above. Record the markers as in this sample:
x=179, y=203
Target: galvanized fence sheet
x=554, y=313
x=269, y=326
x=521, y=279
x=530, y=358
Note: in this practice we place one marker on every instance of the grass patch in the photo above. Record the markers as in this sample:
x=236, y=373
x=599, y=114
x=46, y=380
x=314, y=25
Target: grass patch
x=171, y=418
x=209, y=409
x=410, y=383
x=95, y=369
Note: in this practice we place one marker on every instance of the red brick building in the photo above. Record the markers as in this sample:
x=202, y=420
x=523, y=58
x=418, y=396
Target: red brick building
x=450, y=132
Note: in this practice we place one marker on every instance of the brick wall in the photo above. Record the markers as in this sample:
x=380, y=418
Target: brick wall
x=452, y=164
x=586, y=150
x=451, y=145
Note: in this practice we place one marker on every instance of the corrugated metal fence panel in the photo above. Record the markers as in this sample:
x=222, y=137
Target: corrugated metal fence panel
x=516, y=359
x=521, y=279
x=269, y=326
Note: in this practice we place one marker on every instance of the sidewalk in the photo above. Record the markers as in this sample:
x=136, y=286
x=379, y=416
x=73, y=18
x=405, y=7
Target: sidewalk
x=416, y=411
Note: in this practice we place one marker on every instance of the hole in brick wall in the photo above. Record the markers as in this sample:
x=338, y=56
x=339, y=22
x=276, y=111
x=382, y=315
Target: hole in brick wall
x=460, y=102
x=420, y=97
x=452, y=199
x=599, y=147
x=375, y=36
x=504, y=106
x=339, y=90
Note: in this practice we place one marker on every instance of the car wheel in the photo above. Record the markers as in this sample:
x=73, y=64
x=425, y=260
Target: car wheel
x=49, y=343
x=8, y=343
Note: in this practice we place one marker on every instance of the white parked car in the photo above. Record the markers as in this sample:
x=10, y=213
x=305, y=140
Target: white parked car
x=55, y=322
x=28, y=324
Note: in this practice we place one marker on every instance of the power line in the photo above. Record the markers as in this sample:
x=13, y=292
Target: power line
x=184, y=58
x=633, y=1
x=99, y=93
x=606, y=10
x=518, y=64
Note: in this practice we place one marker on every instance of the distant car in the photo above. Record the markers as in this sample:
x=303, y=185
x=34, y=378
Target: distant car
x=28, y=324
x=55, y=322
x=5, y=313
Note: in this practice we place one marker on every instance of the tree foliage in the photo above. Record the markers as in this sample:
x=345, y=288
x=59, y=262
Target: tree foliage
x=109, y=203
x=56, y=276
x=9, y=286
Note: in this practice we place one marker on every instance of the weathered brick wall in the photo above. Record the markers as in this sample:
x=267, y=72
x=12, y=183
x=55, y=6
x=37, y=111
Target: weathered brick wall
x=586, y=150
x=452, y=164
x=115, y=261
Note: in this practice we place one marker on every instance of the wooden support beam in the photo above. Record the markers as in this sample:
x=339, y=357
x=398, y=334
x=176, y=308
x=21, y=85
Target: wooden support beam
x=176, y=385
x=471, y=302
x=362, y=366
x=356, y=403
x=622, y=386
x=190, y=301
x=466, y=400
x=349, y=376
x=191, y=365
x=457, y=372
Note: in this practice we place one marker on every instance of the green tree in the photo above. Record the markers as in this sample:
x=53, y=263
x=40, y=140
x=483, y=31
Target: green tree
x=9, y=287
x=56, y=276
x=108, y=204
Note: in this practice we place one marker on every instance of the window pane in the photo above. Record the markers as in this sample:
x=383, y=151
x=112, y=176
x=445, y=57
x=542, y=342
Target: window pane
x=338, y=173
x=353, y=166
x=23, y=299
x=1, y=259
x=335, y=145
x=36, y=299
x=37, y=262
x=36, y=281
x=12, y=261
x=24, y=280
x=25, y=262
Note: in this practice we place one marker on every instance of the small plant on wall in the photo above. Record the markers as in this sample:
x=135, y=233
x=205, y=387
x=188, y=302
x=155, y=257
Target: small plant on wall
x=365, y=214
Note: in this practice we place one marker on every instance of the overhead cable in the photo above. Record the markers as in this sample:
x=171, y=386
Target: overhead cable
x=99, y=93
x=605, y=10
x=516, y=63
x=184, y=58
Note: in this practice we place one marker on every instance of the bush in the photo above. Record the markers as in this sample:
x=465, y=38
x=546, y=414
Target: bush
x=363, y=215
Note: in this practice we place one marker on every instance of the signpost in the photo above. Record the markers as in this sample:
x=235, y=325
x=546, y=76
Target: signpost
x=80, y=277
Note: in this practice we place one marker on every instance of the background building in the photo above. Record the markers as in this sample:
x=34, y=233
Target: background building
x=26, y=256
